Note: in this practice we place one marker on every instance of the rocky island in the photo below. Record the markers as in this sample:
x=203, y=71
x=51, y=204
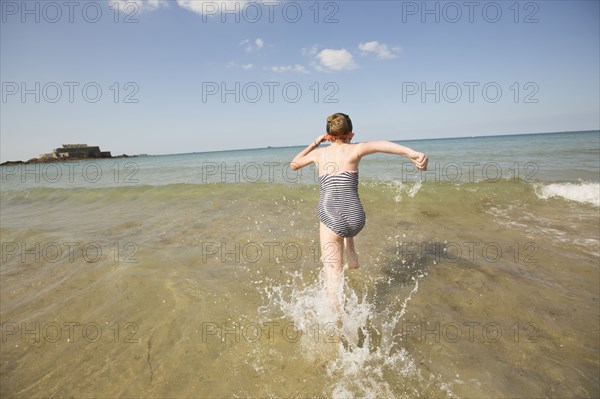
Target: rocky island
x=70, y=152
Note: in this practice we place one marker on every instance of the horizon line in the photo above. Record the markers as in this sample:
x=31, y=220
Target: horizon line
x=423, y=139
x=420, y=139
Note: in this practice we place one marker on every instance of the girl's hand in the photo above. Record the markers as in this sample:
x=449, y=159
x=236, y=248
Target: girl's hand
x=320, y=139
x=420, y=160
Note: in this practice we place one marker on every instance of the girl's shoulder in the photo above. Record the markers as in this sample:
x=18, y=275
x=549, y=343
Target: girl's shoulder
x=357, y=149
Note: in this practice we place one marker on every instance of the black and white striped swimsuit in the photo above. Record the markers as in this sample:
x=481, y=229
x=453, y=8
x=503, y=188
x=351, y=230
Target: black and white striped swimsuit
x=339, y=206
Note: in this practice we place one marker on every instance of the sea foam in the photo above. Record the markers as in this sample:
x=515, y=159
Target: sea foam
x=584, y=192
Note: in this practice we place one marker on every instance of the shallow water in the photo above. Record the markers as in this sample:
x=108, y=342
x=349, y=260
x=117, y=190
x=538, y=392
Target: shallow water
x=508, y=309
x=466, y=289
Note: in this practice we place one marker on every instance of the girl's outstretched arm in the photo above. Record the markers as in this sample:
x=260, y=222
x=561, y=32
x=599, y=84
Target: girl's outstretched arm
x=418, y=158
x=305, y=157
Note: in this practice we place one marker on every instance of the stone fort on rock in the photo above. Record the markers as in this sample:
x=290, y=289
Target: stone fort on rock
x=77, y=151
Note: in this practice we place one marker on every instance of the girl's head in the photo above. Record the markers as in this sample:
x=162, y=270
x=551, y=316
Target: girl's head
x=339, y=127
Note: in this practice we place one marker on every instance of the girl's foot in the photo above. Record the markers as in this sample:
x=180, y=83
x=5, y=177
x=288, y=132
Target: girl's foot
x=352, y=261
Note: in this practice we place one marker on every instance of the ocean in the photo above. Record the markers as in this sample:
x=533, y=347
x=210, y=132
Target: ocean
x=198, y=275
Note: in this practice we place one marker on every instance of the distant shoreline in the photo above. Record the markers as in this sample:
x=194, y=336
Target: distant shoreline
x=63, y=160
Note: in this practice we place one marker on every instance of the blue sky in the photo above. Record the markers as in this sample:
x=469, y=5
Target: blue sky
x=495, y=68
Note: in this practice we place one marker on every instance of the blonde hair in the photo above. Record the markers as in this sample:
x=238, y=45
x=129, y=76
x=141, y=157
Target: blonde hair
x=338, y=124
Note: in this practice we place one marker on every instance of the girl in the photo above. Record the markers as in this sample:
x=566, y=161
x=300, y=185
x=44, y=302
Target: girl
x=340, y=211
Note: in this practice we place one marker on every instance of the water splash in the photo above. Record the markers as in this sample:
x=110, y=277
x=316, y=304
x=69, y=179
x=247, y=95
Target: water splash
x=408, y=189
x=364, y=357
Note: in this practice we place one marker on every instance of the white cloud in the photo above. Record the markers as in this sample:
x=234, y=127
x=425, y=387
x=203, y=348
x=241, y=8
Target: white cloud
x=247, y=66
x=381, y=50
x=210, y=7
x=336, y=60
x=251, y=46
x=289, y=68
x=133, y=6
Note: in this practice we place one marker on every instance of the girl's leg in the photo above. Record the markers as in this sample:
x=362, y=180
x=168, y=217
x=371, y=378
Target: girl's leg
x=351, y=256
x=332, y=248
